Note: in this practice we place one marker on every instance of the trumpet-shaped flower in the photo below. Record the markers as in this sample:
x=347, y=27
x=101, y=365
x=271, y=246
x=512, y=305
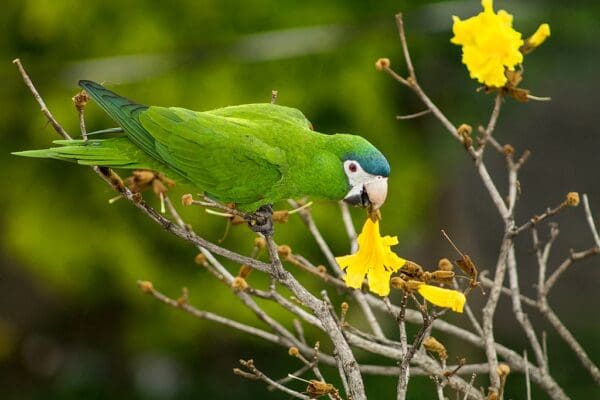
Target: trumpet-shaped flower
x=374, y=259
x=441, y=297
x=489, y=44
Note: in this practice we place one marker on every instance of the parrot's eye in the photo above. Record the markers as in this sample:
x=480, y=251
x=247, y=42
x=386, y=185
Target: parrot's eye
x=352, y=167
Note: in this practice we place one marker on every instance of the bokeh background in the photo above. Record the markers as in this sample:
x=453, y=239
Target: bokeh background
x=73, y=323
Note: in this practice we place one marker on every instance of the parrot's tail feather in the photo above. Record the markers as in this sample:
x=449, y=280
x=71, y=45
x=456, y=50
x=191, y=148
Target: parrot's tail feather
x=125, y=112
x=116, y=153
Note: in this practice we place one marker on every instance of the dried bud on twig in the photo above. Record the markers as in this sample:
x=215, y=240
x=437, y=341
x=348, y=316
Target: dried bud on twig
x=382, y=64
x=503, y=370
x=81, y=99
x=260, y=243
x=146, y=286
x=412, y=269
x=573, y=199
x=281, y=216
x=200, y=259
x=464, y=131
x=445, y=265
x=293, y=351
x=433, y=345
x=187, y=199
x=284, y=251
x=508, y=150
x=317, y=388
x=239, y=284
x=438, y=276
x=183, y=299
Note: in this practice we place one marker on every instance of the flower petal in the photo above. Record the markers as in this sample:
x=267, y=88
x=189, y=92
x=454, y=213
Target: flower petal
x=490, y=44
x=540, y=35
x=452, y=299
x=374, y=259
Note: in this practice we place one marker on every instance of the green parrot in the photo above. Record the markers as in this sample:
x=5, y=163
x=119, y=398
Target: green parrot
x=252, y=155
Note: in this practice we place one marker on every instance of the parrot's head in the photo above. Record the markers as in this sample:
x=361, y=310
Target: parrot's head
x=367, y=171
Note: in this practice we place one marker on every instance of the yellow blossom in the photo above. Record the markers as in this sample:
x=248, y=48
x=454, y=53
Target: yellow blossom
x=489, y=44
x=452, y=299
x=539, y=36
x=374, y=259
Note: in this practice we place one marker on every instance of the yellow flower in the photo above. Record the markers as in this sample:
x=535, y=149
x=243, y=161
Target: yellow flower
x=539, y=36
x=452, y=299
x=374, y=259
x=489, y=44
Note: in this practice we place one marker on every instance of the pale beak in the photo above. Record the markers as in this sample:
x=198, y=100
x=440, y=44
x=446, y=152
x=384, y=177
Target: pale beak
x=358, y=197
x=376, y=191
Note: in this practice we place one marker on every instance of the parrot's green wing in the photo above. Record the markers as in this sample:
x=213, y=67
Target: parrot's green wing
x=264, y=111
x=218, y=154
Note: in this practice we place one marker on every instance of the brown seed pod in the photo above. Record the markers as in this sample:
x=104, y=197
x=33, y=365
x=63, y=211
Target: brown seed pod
x=412, y=270
x=244, y=271
x=398, y=283
x=442, y=276
x=317, y=388
x=433, y=345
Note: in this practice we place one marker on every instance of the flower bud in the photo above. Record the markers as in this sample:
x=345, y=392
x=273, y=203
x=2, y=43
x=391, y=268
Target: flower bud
x=508, y=150
x=445, y=265
x=281, y=216
x=284, y=251
x=293, y=351
x=187, y=199
x=573, y=199
x=239, y=284
x=260, y=243
x=146, y=286
x=539, y=37
x=503, y=370
x=464, y=131
x=200, y=259
x=382, y=64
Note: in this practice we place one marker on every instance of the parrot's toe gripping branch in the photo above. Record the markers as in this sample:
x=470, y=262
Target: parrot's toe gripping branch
x=261, y=221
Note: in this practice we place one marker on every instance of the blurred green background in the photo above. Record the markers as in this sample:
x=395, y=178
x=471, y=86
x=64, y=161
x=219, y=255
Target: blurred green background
x=73, y=323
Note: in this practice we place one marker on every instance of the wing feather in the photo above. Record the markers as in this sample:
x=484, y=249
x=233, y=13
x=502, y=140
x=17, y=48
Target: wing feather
x=218, y=154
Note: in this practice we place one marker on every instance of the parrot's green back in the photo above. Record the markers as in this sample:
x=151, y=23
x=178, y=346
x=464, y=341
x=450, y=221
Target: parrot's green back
x=251, y=155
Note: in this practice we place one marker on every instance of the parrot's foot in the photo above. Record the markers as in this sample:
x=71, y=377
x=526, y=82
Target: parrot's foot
x=261, y=221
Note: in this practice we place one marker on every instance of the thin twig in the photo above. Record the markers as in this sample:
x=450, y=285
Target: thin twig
x=573, y=257
x=413, y=116
x=590, y=220
x=57, y=127
x=527, y=380
x=258, y=375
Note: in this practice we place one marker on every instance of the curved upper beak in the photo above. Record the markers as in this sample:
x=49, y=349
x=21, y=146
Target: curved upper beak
x=372, y=193
x=376, y=191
